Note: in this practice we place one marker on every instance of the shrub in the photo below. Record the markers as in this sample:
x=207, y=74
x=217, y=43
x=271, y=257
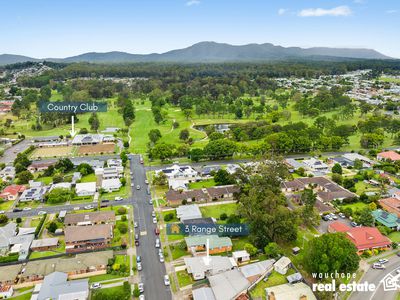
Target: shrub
x=124, y=218
x=123, y=228
x=121, y=211
x=223, y=216
x=168, y=217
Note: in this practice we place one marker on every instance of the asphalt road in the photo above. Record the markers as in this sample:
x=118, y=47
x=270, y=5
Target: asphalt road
x=11, y=153
x=153, y=271
x=375, y=276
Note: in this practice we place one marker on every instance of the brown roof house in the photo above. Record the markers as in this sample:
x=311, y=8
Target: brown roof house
x=83, y=238
x=90, y=218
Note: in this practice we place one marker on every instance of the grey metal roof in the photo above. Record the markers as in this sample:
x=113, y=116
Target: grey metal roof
x=204, y=293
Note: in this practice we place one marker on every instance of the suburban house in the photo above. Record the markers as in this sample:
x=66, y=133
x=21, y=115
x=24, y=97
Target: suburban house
x=387, y=219
x=87, y=139
x=109, y=172
x=94, y=163
x=326, y=189
x=199, y=269
x=85, y=189
x=8, y=173
x=228, y=285
x=83, y=238
x=203, y=293
x=282, y=265
x=225, y=192
x=44, y=244
x=40, y=166
x=183, y=172
x=178, y=184
x=33, y=194
x=61, y=185
x=6, y=291
x=207, y=170
x=355, y=156
x=388, y=155
x=343, y=161
x=197, y=243
x=287, y=291
x=12, y=192
x=6, y=232
x=252, y=272
x=316, y=166
x=90, y=218
x=75, y=266
x=188, y=212
x=394, y=192
x=364, y=238
x=114, y=162
x=391, y=205
x=241, y=256
x=293, y=164
x=111, y=185
x=57, y=286
x=11, y=242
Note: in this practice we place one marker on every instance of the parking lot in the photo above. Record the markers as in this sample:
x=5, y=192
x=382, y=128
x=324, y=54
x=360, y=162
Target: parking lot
x=323, y=226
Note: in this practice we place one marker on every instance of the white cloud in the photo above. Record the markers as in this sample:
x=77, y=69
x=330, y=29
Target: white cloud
x=192, y=2
x=391, y=11
x=320, y=12
x=282, y=11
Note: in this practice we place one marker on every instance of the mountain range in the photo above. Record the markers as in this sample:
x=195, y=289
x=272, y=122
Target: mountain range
x=214, y=52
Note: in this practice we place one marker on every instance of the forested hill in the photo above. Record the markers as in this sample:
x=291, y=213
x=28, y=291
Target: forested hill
x=215, y=52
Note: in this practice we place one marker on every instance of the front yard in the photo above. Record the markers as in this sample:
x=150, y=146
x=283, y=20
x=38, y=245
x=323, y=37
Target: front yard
x=215, y=211
x=274, y=279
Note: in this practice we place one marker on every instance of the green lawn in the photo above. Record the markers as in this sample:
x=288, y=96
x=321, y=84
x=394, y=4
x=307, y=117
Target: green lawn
x=118, y=236
x=274, y=279
x=356, y=206
x=108, y=292
x=6, y=205
x=26, y=296
x=103, y=277
x=202, y=184
x=215, y=211
x=394, y=236
x=178, y=251
x=164, y=213
x=184, y=278
x=89, y=178
x=123, y=192
x=46, y=180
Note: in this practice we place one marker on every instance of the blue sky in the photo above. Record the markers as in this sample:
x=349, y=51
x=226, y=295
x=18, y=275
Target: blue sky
x=60, y=28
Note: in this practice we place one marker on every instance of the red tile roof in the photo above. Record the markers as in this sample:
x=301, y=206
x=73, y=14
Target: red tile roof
x=12, y=190
x=392, y=155
x=338, y=226
x=367, y=238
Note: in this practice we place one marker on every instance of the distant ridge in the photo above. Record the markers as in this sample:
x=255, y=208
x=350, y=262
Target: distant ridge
x=214, y=52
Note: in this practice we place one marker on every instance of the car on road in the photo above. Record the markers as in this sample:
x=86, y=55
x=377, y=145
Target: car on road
x=27, y=208
x=138, y=259
x=334, y=217
x=132, y=184
x=118, y=199
x=88, y=207
x=353, y=224
x=77, y=208
x=141, y=287
x=95, y=286
x=383, y=261
x=137, y=243
x=155, y=220
x=157, y=231
x=398, y=253
x=41, y=213
x=160, y=252
x=131, y=173
x=378, y=266
x=138, y=187
x=139, y=266
x=141, y=297
x=2, y=212
x=153, y=213
x=325, y=218
x=166, y=280
x=342, y=215
x=151, y=201
x=136, y=236
x=148, y=191
x=146, y=181
x=135, y=224
x=157, y=243
x=17, y=210
x=161, y=258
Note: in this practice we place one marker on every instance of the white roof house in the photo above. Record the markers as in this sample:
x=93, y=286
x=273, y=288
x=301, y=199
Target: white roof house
x=199, y=268
x=316, y=165
x=241, y=256
x=61, y=185
x=110, y=185
x=87, y=139
x=282, y=265
x=8, y=173
x=177, y=171
x=85, y=188
x=188, y=212
x=290, y=292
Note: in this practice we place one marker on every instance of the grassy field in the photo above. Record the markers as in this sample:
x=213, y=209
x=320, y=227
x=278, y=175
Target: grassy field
x=215, y=211
x=202, y=184
x=26, y=296
x=103, y=277
x=274, y=279
x=6, y=205
x=184, y=278
x=89, y=178
x=356, y=206
x=394, y=236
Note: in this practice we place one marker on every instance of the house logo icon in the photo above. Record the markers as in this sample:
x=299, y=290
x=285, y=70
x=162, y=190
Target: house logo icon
x=391, y=282
x=174, y=229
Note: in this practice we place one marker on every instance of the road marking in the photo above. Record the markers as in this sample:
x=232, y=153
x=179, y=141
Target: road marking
x=143, y=233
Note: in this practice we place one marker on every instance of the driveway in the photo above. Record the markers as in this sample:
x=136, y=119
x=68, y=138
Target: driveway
x=323, y=226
